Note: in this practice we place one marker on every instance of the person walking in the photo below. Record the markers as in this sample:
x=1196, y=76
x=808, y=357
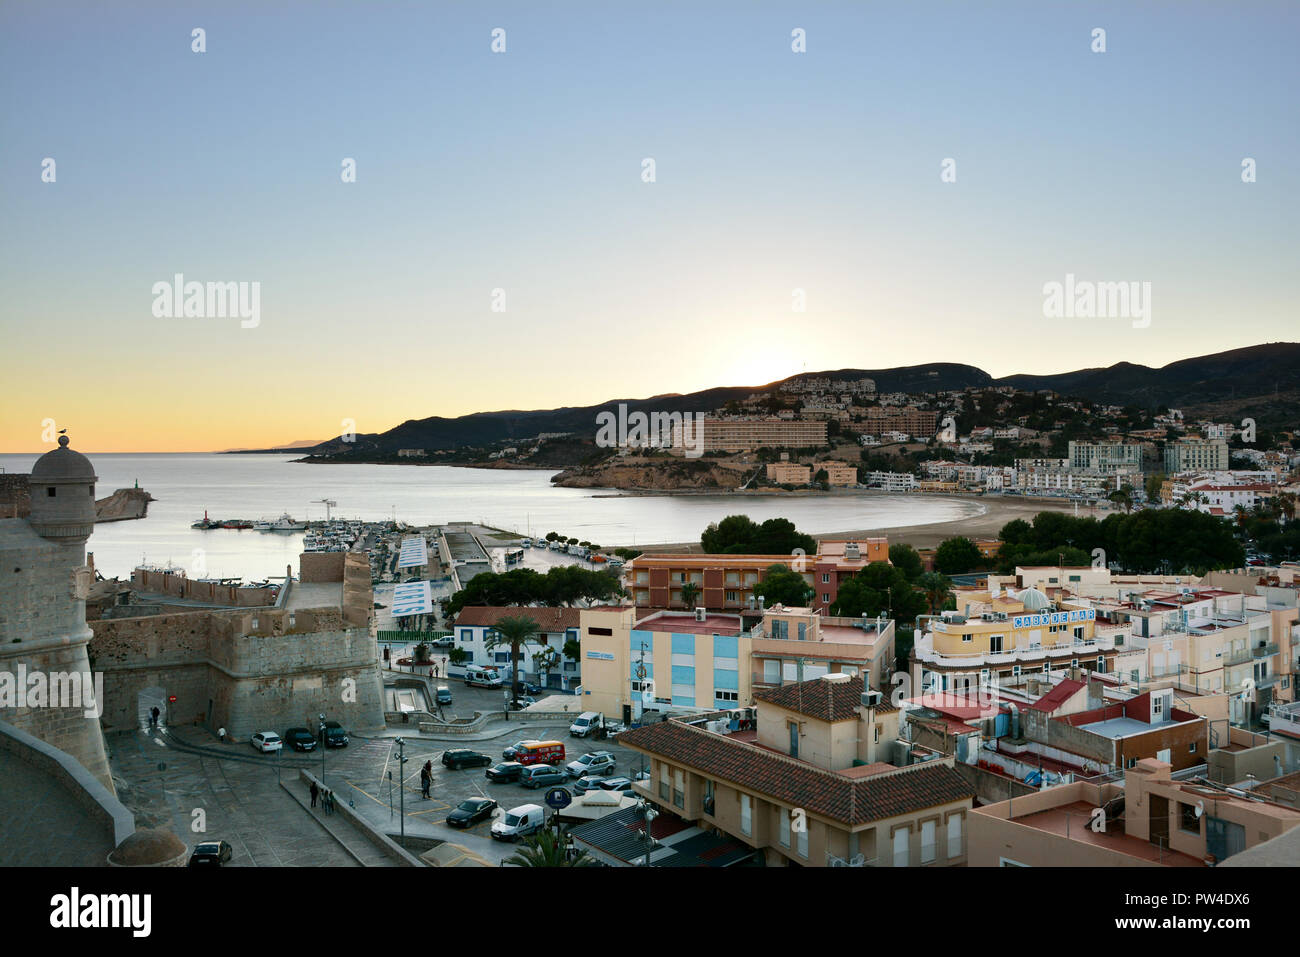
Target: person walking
x=315, y=792
x=424, y=783
x=153, y=717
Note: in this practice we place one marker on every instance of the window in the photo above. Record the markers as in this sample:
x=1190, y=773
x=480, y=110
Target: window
x=594, y=631
x=954, y=836
x=663, y=781
x=746, y=815
x=726, y=696
x=826, y=578
x=679, y=788
x=902, y=840
x=731, y=596
x=1157, y=705
x=708, y=797
x=995, y=644
x=803, y=631
x=794, y=738
x=802, y=843
x=1188, y=819
x=826, y=597
x=780, y=629
x=927, y=842
x=1192, y=747
x=784, y=815
x=50, y=491
x=967, y=637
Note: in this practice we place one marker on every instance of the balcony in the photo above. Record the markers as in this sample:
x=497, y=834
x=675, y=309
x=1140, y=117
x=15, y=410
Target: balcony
x=1265, y=651
x=925, y=652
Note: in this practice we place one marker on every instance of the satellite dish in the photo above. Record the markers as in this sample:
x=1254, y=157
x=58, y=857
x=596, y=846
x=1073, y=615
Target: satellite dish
x=1200, y=808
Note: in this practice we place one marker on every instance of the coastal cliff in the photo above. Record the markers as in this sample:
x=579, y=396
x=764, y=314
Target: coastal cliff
x=656, y=476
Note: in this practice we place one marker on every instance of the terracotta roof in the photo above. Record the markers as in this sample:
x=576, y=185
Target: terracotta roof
x=1057, y=696
x=822, y=699
x=798, y=784
x=548, y=619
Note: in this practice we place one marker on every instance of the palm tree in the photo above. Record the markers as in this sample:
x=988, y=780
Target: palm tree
x=546, y=660
x=515, y=631
x=936, y=587
x=690, y=592
x=547, y=848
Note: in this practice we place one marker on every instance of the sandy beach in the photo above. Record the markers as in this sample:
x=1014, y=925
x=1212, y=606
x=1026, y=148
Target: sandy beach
x=996, y=512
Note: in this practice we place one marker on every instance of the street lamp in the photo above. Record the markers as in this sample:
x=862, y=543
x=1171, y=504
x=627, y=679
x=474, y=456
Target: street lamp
x=649, y=813
x=401, y=784
x=324, y=743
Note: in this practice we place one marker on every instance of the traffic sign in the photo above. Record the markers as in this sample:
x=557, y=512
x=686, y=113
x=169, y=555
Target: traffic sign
x=558, y=798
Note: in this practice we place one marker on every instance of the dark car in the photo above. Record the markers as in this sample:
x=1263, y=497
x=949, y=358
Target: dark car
x=210, y=854
x=335, y=736
x=616, y=784
x=468, y=813
x=458, y=758
x=505, y=771
x=540, y=775
x=300, y=739
x=527, y=687
x=442, y=695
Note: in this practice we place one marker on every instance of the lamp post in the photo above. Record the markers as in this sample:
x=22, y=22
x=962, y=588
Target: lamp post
x=324, y=743
x=401, y=784
x=648, y=812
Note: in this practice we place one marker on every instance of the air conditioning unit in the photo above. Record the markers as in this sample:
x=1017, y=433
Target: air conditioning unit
x=700, y=614
x=871, y=699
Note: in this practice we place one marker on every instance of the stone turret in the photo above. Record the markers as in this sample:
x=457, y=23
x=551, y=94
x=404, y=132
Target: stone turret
x=63, y=496
x=44, y=581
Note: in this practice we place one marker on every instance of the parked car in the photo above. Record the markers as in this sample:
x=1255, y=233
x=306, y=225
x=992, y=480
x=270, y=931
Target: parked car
x=458, y=758
x=519, y=822
x=335, y=736
x=444, y=641
x=585, y=724
x=442, y=695
x=616, y=784
x=469, y=813
x=541, y=775
x=527, y=687
x=211, y=854
x=589, y=782
x=300, y=739
x=266, y=741
x=594, y=762
x=516, y=749
x=505, y=771
x=520, y=703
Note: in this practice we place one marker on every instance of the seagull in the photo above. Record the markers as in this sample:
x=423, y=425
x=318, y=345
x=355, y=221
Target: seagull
x=63, y=431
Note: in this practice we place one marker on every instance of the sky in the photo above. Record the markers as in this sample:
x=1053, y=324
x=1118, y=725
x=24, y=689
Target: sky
x=517, y=180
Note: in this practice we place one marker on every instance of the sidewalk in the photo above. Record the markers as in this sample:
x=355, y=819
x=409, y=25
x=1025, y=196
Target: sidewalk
x=344, y=832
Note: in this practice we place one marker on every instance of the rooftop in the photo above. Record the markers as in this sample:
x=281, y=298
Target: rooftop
x=666, y=622
x=825, y=700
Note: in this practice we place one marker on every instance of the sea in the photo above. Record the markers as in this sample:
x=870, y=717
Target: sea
x=227, y=486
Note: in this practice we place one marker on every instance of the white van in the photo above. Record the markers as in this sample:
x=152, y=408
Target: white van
x=483, y=677
x=585, y=723
x=519, y=822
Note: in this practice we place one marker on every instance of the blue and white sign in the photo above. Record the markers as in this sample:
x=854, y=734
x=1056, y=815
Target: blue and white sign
x=412, y=598
x=558, y=798
x=1054, y=618
x=600, y=655
x=413, y=553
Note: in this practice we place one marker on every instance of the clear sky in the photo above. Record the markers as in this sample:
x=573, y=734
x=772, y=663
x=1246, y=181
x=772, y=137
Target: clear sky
x=522, y=171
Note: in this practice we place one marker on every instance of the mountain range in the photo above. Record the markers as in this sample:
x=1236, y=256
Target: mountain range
x=1227, y=377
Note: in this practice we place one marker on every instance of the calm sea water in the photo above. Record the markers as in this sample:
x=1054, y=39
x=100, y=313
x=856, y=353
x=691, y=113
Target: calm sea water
x=264, y=486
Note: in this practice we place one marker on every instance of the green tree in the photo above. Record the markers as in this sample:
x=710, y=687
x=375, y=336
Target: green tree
x=956, y=556
x=547, y=659
x=572, y=649
x=514, y=631
x=783, y=586
x=690, y=592
x=906, y=558
x=547, y=848
x=739, y=535
x=936, y=587
x=878, y=589
x=1016, y=532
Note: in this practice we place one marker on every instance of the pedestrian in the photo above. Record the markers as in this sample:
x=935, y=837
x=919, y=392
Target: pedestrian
x=154, y=716
x=315, y=792
x=221, y=733
x=424, y=783
x=329, y=801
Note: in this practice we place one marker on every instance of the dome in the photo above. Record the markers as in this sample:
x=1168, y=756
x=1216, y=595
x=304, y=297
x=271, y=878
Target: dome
x=148, y=848
x=63, y=465
x=1034, y=600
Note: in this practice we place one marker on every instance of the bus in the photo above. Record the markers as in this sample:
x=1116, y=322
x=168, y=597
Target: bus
x=483, y=677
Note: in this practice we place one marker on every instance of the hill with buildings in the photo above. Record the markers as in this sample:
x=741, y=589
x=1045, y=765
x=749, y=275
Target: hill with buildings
x=1228, y=378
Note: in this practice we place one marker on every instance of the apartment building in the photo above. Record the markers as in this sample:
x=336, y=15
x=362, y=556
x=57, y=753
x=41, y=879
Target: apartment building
x=679, y=661
x=1190, y=455
x=890, y=481
x=743, y=435
x=1006, y=634
x=789, y=473
x=810, y=809
x=839, y=474
x=726, y=582
x=909, y=419
x=1152, y=819
x=1106, y=457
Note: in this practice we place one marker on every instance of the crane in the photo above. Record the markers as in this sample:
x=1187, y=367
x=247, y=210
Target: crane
x=328, y=503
